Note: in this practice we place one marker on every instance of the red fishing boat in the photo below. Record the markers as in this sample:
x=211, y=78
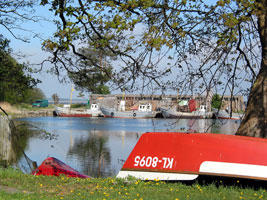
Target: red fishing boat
x=54, y=167
x=185, y=156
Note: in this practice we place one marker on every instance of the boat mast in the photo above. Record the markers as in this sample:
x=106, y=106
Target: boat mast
x=72, y=89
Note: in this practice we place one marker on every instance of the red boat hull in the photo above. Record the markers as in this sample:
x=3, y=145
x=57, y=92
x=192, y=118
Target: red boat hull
x=54, y=167
x=232, y=118
x=182, y=156
x=75, y=115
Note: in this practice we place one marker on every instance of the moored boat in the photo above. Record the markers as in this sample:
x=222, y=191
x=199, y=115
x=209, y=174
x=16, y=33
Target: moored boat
x=54, y=167
x=94, y=111
x=182, y=156
x=225, y=114
x=143, y=111
x=200, y=113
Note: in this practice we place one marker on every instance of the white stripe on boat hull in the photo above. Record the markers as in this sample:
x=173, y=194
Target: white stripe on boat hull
x=157, y=175
x=206, y=168
x=233, y=169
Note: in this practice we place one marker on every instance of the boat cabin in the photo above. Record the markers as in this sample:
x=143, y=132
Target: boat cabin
x=203, y=108
x=145, y=107
x=94, y=106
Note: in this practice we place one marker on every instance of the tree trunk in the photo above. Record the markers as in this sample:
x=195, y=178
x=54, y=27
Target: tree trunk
x=255, y=120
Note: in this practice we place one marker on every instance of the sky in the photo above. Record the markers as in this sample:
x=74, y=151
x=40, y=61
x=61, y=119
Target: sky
x=50, y=84
x=34, y=54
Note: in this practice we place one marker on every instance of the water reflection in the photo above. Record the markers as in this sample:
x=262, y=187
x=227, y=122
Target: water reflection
x=98, y=146
x=225, y=126
x=93, y=154
x=13, y=141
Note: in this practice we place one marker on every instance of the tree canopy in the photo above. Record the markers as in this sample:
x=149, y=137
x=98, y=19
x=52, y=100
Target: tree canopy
x=216, y=101
x=55, y=98
x=90, y=78
x=16, y=85
x=14, y=13
x=187, y=44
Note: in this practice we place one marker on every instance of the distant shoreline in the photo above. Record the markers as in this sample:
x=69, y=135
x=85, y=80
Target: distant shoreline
x=32, y=113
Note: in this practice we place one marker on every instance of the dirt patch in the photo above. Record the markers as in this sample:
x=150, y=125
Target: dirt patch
x=11, y=190
x=9, y=108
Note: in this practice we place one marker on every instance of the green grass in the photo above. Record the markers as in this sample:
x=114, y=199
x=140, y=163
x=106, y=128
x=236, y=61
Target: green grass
x=16, y=185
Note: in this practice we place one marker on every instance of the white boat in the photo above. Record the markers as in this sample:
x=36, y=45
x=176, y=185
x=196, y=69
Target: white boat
x=226, y=114
x=143, y=111
x=200, y=113
x=66, y=111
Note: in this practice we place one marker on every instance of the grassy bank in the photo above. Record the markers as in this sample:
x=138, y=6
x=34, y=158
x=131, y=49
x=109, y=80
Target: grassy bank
x=25, y=110
x=16, y=185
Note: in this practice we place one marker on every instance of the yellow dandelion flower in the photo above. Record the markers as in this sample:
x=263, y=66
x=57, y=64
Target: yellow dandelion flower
x=176, y=198
x=41, y=185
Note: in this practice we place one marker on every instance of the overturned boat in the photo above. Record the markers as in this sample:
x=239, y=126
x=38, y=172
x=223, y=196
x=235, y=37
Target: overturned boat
x=186, y=156
x=54, y=167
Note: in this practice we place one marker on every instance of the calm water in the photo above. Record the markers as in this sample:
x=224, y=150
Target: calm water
x=98, y=146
